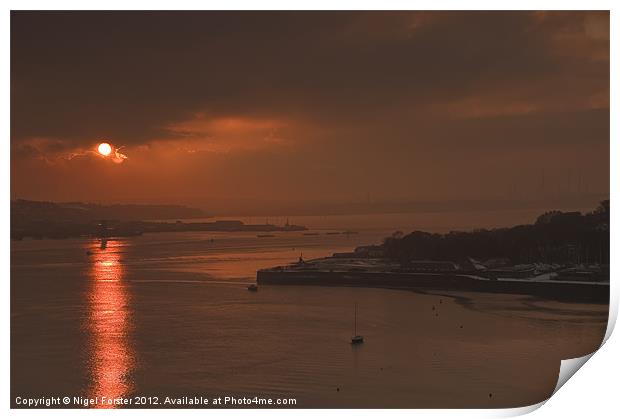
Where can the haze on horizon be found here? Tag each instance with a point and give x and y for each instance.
(291, 111)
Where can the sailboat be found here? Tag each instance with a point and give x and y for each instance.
(356, 339)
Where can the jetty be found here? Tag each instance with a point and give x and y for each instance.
(548, 282)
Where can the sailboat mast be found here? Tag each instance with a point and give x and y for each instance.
(355, 322)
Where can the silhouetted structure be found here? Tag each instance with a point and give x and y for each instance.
(555, 237)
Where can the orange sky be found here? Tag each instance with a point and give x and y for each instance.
(267, 112)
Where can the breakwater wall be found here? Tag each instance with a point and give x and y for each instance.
(595, 292)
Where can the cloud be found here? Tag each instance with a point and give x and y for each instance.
(54, 151)
(118, 157)
(313, 65)
(328, 98)
(222, 134)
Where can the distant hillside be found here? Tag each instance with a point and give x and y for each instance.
(23, 211)
(555, 237)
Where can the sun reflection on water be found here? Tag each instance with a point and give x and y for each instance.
(111, 355)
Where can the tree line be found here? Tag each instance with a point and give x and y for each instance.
(555, 237)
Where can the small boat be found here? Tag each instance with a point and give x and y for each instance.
(356, 339)
(330, 233)
(311, 234)
(252, 287)
(265, 235)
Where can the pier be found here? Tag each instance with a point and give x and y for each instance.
(324, 272)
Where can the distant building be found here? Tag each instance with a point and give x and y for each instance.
(517, 271)
(372, 251)
(362, 252)
(431, 266)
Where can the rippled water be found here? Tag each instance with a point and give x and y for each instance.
(169, 315)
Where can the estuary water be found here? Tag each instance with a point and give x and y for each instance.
(169, 315)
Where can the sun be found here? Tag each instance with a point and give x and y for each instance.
(104, 149)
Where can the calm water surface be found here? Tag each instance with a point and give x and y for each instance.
(169, 315)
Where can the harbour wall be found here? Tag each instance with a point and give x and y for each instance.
(594, 292)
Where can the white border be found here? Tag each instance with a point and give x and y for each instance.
(592, 394)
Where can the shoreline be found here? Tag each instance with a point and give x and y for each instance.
(568, 291)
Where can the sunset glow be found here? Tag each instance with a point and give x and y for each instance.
(291, 141)
(104, 149)
(108, 325)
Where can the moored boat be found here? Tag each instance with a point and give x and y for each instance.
(356, 339)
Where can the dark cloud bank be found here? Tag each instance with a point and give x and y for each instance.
(268, 110)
